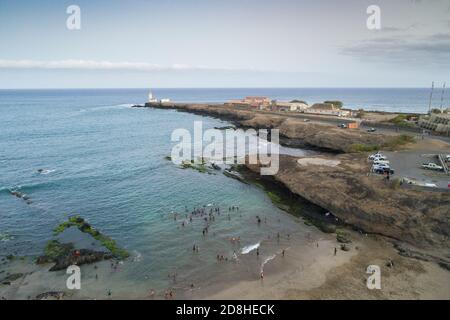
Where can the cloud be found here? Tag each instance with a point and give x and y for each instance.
(399, 29)
(432, 50)
(107, 65)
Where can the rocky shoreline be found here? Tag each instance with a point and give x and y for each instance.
(293, 132)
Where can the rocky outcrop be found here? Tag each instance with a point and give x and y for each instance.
(79, 257)
(11, 278)
(21, 195)
(369, 203)
(319, 135)
(51, 295)
(64, 255)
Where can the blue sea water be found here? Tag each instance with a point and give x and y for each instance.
(105, 161)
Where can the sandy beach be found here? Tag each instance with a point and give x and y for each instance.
(325, 276)
(304, 272)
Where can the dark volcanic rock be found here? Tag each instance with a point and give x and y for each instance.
(11, 278)
(58, 295)
(64, 255)
(79, 257)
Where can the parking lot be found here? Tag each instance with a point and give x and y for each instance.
(408, 164)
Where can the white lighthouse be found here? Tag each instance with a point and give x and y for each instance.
(151, 98)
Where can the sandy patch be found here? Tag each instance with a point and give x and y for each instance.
(318, 162)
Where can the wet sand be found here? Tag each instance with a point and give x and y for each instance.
(310, 271)
(344, 276)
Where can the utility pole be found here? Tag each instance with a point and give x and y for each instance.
(442, 96)
(431, 97)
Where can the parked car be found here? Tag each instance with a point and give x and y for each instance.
(379, 161)
(383, 170)
(380, 166)
(306, 120)
(342, 126)
(371, 130)
(376, 155)
(432, 166)
(447, 158)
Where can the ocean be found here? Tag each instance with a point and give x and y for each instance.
(106, 161)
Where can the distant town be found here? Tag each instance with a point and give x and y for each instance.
(332, 108)
(437, 121)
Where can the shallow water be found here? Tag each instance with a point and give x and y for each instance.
(105, 161)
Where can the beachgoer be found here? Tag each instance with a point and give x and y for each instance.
(335, 250)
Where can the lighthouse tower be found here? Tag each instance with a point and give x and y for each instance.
(151, 98)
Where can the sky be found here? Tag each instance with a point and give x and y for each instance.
(224, 43)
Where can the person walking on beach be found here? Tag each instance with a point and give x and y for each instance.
(257, 252)
(335, 251)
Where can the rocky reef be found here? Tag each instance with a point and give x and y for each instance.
(64, 255)
(84, 226)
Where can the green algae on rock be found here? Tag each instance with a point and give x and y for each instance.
(83, 226)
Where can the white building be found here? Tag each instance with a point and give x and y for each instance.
(151, 98)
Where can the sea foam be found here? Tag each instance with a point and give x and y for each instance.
(250, 248)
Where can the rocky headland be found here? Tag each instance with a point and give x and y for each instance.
(293, 131)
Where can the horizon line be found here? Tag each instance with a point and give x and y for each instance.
(190, 88)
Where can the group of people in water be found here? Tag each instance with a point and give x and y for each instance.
(208, 214)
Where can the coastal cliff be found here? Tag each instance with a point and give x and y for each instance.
(341, 185)
(297, 131)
